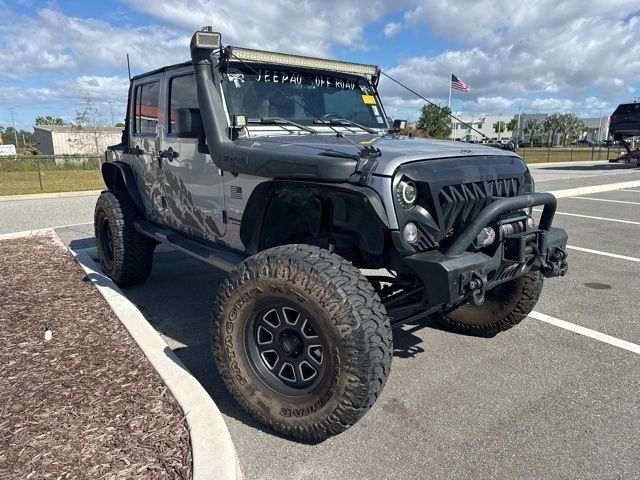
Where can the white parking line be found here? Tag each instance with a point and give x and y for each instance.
(629, 190)
(574, 192)
(587, 332)
(605, 200)
(606, 254)
(592, 217)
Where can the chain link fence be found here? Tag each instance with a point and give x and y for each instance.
(569, 154)
(24, 174)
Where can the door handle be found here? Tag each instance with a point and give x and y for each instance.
(137, 151)
(169, 154)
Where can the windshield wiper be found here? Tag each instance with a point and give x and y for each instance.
(346, 122)
(283, 121)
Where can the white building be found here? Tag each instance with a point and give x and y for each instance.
(72, 140)
(597, 128)
(481, 123)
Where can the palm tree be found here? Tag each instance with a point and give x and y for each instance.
(533, 127)
(569, 125)
(552, 125)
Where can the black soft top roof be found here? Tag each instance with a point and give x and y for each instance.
(163, 69)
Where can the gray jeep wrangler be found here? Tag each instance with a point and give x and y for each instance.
(284, 171)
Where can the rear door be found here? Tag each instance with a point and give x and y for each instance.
(193, 185)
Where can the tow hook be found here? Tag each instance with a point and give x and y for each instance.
(556, 264)
(475, 285)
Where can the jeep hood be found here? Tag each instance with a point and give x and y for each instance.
(396, 151)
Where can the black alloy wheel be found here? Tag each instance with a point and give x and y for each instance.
(286, 348)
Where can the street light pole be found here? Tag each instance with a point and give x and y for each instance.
(518, 132)
(600, 126)
(13, 122)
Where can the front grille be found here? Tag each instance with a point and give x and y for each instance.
(424, 241)
(460, 204)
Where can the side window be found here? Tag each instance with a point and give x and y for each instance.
(182, 94)
(146, 108)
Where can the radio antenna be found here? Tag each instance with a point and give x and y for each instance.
(128, 66)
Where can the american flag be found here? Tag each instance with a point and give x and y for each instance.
(458, 84)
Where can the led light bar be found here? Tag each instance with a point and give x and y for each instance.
(250, 55)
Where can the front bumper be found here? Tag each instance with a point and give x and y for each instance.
(457, 276)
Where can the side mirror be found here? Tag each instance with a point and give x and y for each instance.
(189, 123)
(399, 125)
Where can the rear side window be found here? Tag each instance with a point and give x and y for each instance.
(182, 94)
(146, 108)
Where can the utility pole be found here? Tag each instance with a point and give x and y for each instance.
(13, 122)
(110, 102)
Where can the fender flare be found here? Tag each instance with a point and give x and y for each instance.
(259, 202)
(117, 175)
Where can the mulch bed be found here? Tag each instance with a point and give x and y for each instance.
(85, 404)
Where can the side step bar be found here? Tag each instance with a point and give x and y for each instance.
(216, 257)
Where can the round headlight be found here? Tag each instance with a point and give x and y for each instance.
(407, 192)
(410, 232)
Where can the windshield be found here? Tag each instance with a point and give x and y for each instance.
(301, 96)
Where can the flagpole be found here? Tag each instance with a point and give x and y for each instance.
(449, 105)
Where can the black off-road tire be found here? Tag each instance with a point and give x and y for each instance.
(504, 307)
(125, 254)
(349, 317)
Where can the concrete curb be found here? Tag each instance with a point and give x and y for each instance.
(31, 233)
(39, 196)
(575, 192)
(212, 449)
(565, 164)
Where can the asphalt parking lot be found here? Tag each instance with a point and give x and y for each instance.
(534, 402)
(538, 401)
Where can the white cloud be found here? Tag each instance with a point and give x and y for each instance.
(490, 105)
(398, 107)
(52, 43)
(571, 49)
(581, 54)
(108, 93)
(295, 26)
(560, 105)
(392, 28)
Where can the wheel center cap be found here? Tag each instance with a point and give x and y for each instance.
(290, 344)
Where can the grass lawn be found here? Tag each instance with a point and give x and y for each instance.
(18, 183)
(25, 180)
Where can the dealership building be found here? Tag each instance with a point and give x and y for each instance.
(597, 128)
(73, 140)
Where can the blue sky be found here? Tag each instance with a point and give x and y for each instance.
(545, 56)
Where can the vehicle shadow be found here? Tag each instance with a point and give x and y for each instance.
(177, 300)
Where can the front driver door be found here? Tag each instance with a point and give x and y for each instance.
(194, 189)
